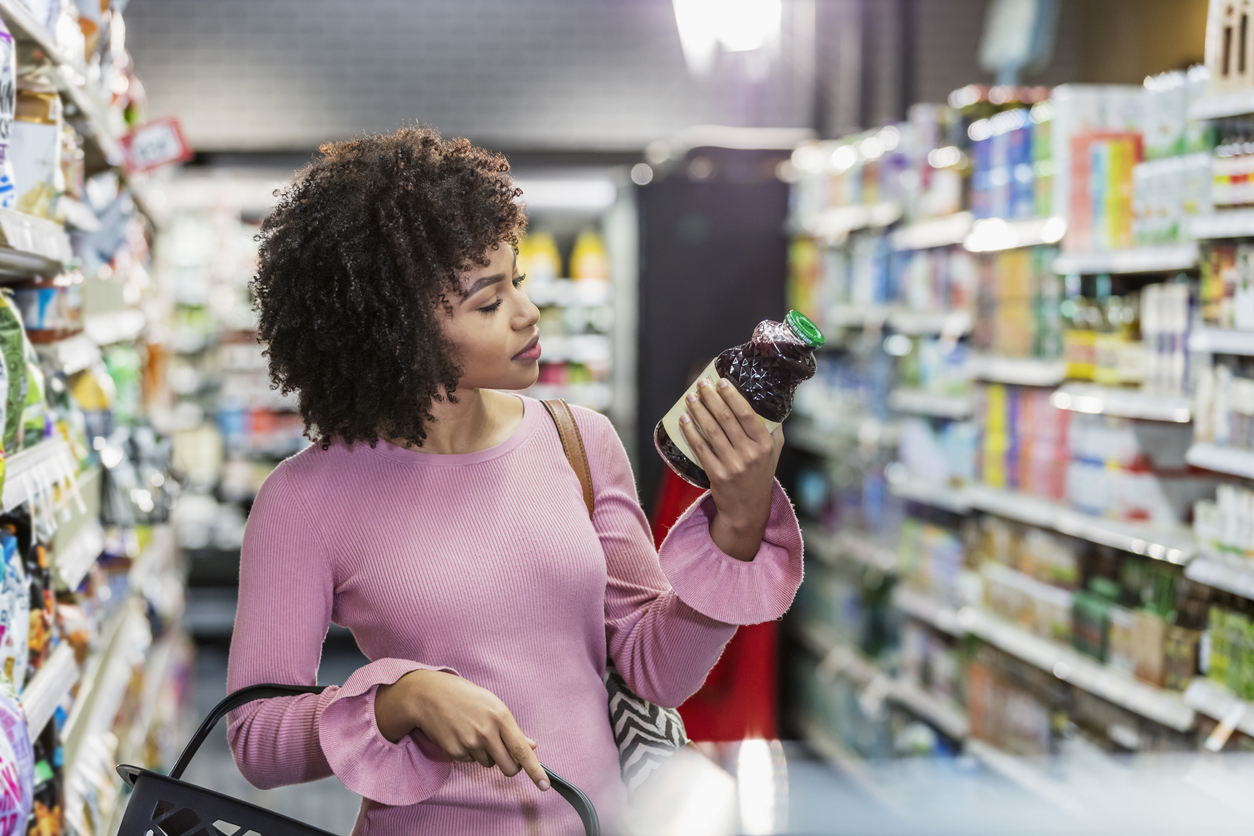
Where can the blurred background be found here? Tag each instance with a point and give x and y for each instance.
(1023, 467)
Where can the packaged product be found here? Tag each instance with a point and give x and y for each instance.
(35, 147)
(588, 260)
(538, 257)
(52, 307)
(766, 370)
(17, 762)
(15, 613)
(13, 351)
(42, 605)
(8, 104)
(36, 418)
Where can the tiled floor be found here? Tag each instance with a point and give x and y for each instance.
(326, 804)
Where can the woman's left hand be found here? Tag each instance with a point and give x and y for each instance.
(739, 456)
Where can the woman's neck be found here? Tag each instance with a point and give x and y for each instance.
(481, 418)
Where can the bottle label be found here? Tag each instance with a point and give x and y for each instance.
(671, 420)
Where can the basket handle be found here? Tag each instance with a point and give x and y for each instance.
(573, 795)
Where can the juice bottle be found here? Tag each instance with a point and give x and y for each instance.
(766, 370)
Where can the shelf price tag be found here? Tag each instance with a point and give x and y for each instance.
(158, 143)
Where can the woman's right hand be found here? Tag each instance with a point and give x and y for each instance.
(467, 722)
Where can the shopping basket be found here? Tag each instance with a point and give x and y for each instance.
(162, 805)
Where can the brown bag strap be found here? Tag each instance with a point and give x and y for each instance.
(572, 445)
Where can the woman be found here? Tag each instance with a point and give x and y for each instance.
(439, 520)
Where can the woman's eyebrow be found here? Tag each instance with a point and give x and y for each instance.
(482, 283)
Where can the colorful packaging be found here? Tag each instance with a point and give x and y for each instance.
(8, 105)
(52, 308)
(588, 259)
(35, 147)
(17, 765)
(14, 614)
(13, 350)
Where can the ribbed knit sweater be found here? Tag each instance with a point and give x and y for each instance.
(487, 566)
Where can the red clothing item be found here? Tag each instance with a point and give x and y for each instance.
(739, 698)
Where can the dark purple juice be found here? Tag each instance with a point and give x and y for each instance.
(767, 370)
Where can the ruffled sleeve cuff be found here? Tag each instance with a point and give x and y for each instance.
(398, 774)
(721, 587)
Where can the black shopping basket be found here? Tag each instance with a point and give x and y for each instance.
(163, 805)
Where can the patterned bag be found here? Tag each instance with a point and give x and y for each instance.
(646, 734)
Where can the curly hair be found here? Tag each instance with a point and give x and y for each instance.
(356, 257)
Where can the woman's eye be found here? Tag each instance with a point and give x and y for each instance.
(518, 281)
(493, 308)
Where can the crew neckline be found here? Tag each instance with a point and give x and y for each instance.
(520, 434)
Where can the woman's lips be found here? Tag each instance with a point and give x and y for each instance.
(529, 354)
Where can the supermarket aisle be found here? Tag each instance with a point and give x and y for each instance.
(326, 804)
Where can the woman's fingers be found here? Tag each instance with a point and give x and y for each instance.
(520, 748)
(715, 400)
(749, 421)
(705, 456)
(707, 423)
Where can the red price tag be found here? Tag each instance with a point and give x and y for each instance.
(160, 142)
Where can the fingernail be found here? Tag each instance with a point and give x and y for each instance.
(702, 383)
(544, 785)
(692, 397)
(684, 419)
(722, 383)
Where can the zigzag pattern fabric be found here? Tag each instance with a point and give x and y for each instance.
(646, 734)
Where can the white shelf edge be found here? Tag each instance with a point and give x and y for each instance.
(1176, 547)
(1020, 371)
(833, 225)
(70, 355)
(1123, 403)
(1234, 223)
(922, 402)
(1215, 701)
(1072, 667)
(946, 231)
(923, 607)
(1158, 258)
(833, 548)
(74, 561)
(50, 683)
(941, 712)
(1222, 341)
(1231, 460)
(952, 324)
(1229, 573)
(945, 497)
(989, 235)
(34, 470)
(823, 440)
(1222, 105)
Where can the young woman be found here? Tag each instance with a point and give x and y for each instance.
(438, 519)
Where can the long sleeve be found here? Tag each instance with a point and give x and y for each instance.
(669, 614)
(287, 584)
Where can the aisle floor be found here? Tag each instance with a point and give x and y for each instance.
(327, 804)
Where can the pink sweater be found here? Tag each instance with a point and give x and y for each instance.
(484, 565)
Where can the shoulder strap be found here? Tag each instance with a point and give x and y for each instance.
(572, 445)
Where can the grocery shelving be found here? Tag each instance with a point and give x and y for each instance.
(913, 489)
(933, 232)
(1236, 223)
(48, 686)
(848, 545)
(931, 404)
(1222, 341)
(1222, 459)
(1123, 403)
(835, 224)
(1021, 371)
(928, 610)
(1217, 702)
(1172, 545)
(1222, 105)
(1160, 258)
(1228, 572)
(35, 470)
(951, 324)
(73, 562)
(72, 354)
(31, 246)
(832, 439)
(564, 292)
(116, 327)
(996, 234)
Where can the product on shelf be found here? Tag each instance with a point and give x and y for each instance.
(766, 370)
(35, 146)
(589, 260)
(8, 102)
(52, 307)
(1018, 304)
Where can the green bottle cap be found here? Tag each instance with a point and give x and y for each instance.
(805, 329)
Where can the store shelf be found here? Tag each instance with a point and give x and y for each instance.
(932, 404)
(854, 546)
(577, 348)
(31, 246)
(117, 327)
(566, 292)
(1217, 702)
(1236, 223)
(1123, 403)
(942, 713)
(1222, 341)
(996, 234)
(952, 324)
(834, 439)
(71, 355)
(1024, 774)
(833, 225)
(48, 686)
(1021, 371)
(1228, 572)
(1221, 459)
(934, 232)
(1071, 666)
(35, 470)
(923, 607)
(1172, 545)
(24, 27)
(1236, 103)
(1160, 258)
(912, 489)
(73, 562)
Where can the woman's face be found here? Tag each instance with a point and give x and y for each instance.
(493, 326)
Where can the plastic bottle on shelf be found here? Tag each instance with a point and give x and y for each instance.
(767, 370)
(588, 260)
(538, 258)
